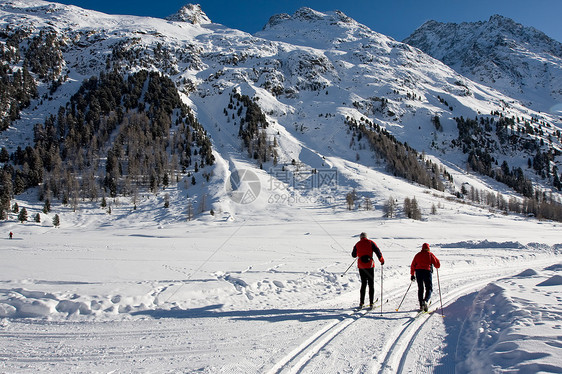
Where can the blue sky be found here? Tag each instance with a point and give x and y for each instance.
(395, 18)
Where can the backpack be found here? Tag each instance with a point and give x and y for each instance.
(366, 259)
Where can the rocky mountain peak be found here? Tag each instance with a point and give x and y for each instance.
(191, 13)
(309, 16)
(313, 28)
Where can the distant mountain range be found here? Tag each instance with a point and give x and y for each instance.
(519, 61)
(312, 91)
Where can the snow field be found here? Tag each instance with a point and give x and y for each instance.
(265, 294)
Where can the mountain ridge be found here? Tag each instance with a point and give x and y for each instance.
(520, 61)
(276, 105)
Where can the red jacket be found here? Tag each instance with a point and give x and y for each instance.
(423, 260)
(365, 249)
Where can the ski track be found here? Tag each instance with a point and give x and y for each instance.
(400, 335)
(304, 353)
(340, 343)
(140, 350)
(397, 351)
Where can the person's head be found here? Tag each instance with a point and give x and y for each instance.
(363, 235)
(425, 247)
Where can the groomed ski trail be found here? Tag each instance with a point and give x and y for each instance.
(399, 335)
(401, 340)
(396, 350)
(298, 358)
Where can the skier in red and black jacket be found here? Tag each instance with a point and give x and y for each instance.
(364, 250)
(421, 269)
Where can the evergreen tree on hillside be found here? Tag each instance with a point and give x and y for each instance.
(22, 216)
(253, 123)
(401, 160)
(17, 86)
(56, 220)
(119, 124)
(6, 190)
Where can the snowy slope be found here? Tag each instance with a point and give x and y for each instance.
(309, 72)
(520, 61)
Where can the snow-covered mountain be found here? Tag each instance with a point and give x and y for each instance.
(520, 61)
(191, 13)
(310, 92)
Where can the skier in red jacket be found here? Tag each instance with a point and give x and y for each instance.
(364, 250)
(421, 269)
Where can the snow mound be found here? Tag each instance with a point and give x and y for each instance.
(512, 327)
(552, 281)
(556, 267)
(479, 244)
(527, 273)
(21, 303)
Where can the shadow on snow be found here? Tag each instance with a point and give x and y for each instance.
(455, 315)
(268, 315)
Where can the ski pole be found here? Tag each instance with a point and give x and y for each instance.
(439, 286)
(382, 299)
(355, 259)
(404, 295)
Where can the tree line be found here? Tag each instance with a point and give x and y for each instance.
(401, 160)
(17, 85)
(481, 137)
(252, 124)
(116, 135)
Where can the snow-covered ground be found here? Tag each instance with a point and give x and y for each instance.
(263, 293)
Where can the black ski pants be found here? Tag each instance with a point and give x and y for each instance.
(424, 280)
(367, 278)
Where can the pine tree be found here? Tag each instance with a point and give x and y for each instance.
(56, 220)
(415, 210)
(408, 207)
(47, 206)
(350, 198)
(22, 216)
(4, 155)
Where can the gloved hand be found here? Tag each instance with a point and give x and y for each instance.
(413, 278)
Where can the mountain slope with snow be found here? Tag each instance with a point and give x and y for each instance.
(522, 62)
(316, 77)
